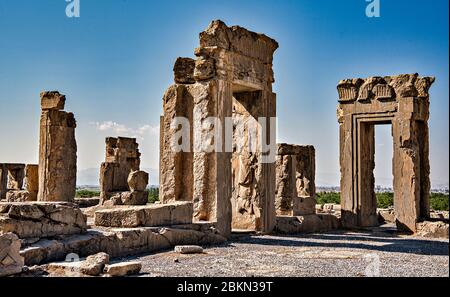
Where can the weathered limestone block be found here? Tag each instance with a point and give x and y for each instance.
(138, 181)
(57, 156)
(176, 168)
(11, 262)
(87, 202)
(437, 229)
(184, 71)
(32, 178)
(120, 242)
(130, 198)
(91, 266)
(188, 249)
(20, 196)
(146, 216)
(123, 269)
(295, 180)
(52, 101)
(204, 69)
(122, 158)
(307, 223)
(41, 219)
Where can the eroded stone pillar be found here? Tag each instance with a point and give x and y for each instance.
(295, 180)
(122, 156)
(57, 150)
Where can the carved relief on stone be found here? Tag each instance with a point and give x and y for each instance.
(348, 89)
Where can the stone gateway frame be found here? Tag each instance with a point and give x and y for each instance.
(403, 102)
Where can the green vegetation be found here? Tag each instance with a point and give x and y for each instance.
(86, 194)
(328, 197)
(385, 199)
(438, 201)
(153, 195)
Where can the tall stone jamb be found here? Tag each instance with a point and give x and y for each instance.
(57, 150)
(231, 78)
(403, 102)
(295, 180)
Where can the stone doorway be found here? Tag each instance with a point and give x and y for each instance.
(402, 101)
(246, 166)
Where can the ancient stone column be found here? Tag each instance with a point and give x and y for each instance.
(295, 180)
(57, 150)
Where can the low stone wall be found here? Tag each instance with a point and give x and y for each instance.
(151, 215)
(307, 223)
(120, 242)
(41, 219)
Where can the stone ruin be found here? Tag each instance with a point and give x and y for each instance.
(231, 77)
(403, 102)
(57, 150)
(121, 181)
(295, 193)
(207, 194)
(19, 182)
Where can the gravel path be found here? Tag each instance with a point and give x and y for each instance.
(327, 254)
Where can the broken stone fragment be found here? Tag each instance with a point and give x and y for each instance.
(10, 260)
(52, 100)
(123, 269)
(20, 196)
(138, 181)
(204, 69)
(94, 265)
(184, 71)
(188, 249)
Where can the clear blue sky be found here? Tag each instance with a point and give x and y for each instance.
(115, 61)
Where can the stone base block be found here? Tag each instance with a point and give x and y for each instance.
(20, 196)
(130, 198)
(303, 206)
(41, 219)
(11, 262)
(146, 216)
(120, 242)
(386, 215)
(433, 229)
(87, 202)
(307, 224)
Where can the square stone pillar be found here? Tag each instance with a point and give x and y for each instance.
(57, 150)
(295, 180)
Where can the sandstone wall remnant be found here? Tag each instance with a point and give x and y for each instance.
(57, 150)
(120, 178)
(19, 182)
(403, 102)
(295, 180)
(231, 77)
